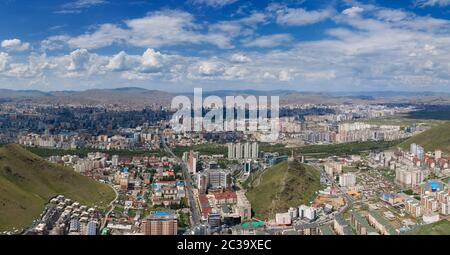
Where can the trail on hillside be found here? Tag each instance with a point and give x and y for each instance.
(281, 189)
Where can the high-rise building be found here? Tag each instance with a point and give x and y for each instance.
(417, 150)
(410, 177)
(202, 182)
(307, 212)
(219, 179)
(192, 162)
(115, 160)
(91, 228)
(243, 151)
(347, 180)
(160, 223)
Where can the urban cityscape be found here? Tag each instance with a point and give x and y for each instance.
(344, 130)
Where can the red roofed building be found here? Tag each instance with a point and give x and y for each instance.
(206, 211)
(227, 197)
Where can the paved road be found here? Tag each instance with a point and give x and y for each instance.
(348, 201)
(348, 198)
(105, 220)
(195, 213)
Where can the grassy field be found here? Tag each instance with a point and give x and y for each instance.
(46, 152)
(27, 182)
(402, 121)
(284, 185)
(437, 137)
(439, 228)
(203, 149)
(332, 149)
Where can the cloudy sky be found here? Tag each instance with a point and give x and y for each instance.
(307, 45)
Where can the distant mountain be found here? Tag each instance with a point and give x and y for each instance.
(28, 182)
(140, 97)
(223, 93)
(133, 97)
(13, 94)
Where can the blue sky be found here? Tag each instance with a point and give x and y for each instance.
(307, 45)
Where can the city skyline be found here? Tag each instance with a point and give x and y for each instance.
(175, 46)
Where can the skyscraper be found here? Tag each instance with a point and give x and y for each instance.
(243, 151)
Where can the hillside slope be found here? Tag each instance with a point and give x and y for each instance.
(437, 137)
(27, 182)
(438, 228)
(287, 184)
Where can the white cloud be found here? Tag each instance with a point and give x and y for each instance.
(240, 58)
(160, 28)
(79, 5)
(4, 57)
(384, 48)
(79, 60)
(239, 27)
(152, 60)
(15, 45)
(301, 17)
(214, 3)
(392, 15)
(284, 75)
(210, 68)
(32, 68)
(105, 35)
(353, 11)
(426, 3)
(121, 62)
(269, 41)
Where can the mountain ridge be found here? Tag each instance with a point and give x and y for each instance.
(28, 182)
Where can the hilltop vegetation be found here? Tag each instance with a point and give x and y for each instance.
(27, 182)
(438, 228)
(47, 152)
(284, 185)
(437, 137)
(204, 149)
(331, 149)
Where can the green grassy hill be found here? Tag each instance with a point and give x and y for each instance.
(27, 182)
(437, 137)
(284, 185)
(438, 228)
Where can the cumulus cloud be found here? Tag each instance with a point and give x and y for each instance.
(3, 61)
(269, 41)
(210, 68)
(284, 75)
(79, 60)
(160, 28)
(300, 16)
(152, 61)
(121, 62)
(240, 58)
(15, 45)
(214, 3)
(384, 48)
(353, 11)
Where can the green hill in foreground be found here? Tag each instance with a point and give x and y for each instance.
(437, 137)
(287, 184)
(438, 228)
(28, 182)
